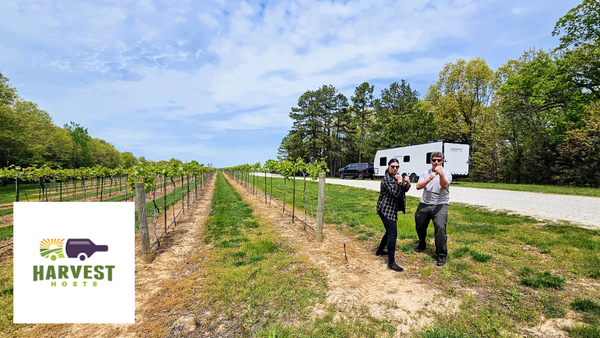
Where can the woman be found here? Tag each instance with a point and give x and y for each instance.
(391, 199)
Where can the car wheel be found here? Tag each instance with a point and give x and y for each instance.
(342, 175)
(361, 176)
(414, 178)
(82, 257)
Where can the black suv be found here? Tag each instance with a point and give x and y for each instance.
(360, 170)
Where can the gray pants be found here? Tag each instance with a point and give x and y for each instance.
(439, 214)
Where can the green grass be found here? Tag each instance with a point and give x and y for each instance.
(6, 232)
(590, 315)
(6, 299)
(547, 189)
(543, 280)
(586, 305)
(6, 211)
(256, 286)
(8, 192)
(486, 249)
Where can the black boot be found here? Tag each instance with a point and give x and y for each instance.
(395, 267)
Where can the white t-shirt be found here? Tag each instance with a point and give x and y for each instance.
(433, 192)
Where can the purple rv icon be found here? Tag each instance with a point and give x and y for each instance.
(82, 248)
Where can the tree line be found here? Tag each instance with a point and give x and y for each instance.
(535, 119)
(29, 137)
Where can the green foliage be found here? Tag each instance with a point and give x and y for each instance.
(480, 256)
(580, 26)
(363, 104)
(543, 280)
(586, 305)
(401, 118)
(584, 331)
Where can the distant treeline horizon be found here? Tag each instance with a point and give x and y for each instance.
(29, 137)
(534, 120)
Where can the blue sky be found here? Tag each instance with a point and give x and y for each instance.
(214, 81)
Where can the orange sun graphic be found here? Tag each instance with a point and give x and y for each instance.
(51, 243)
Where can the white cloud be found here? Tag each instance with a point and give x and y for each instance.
(246, 9)
(146, 6)
(251, 121)
(208, 20)
(180, 20)
(518, 10)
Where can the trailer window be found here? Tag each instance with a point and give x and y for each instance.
(407, 158)
(383, 161)
(428, 160)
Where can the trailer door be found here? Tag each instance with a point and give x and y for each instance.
(457, 158)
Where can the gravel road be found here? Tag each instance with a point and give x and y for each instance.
(584, 211)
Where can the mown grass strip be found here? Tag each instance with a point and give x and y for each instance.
(487, 250)
(7, 211)
(6, 232)
(256, 286)
(6, 299)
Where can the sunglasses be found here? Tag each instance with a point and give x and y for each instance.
(395, 166)
(437, 160)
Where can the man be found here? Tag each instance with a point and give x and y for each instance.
(434, 206)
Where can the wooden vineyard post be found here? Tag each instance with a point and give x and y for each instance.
(17, 188)
(294, 198)
(320, 207)
(140, 203)
(165, 199)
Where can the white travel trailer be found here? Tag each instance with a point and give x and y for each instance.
(417, 158)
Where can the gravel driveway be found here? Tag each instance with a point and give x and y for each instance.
(580, 210)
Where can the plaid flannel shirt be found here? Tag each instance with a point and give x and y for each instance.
(391, 197)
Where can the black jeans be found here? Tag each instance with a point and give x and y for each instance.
(438, 213)
(389, 239)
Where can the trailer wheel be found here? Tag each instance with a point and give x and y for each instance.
(413, 178)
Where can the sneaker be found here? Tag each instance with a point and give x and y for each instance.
(381, 253)
(395, 267)
(441, 260)
(419, 249)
